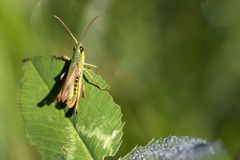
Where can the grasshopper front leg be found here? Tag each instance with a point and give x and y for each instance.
(64, 58)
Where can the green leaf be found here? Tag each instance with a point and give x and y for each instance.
(179, 148)
(94, 133)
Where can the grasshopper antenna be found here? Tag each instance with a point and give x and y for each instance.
(85, 31)
(66, 28)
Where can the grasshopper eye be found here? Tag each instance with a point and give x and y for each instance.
(81, 49)
(74, 49)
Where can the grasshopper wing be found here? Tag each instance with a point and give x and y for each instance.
(67, 90)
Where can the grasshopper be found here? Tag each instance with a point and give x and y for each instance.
(72, 88)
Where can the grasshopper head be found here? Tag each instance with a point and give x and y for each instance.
(79, 48)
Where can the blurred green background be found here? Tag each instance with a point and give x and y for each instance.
(174, 66)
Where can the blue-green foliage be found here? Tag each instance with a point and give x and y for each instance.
(179, 148)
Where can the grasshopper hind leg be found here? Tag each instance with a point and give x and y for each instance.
(92, 81)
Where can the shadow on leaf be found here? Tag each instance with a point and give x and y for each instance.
(52, 95)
